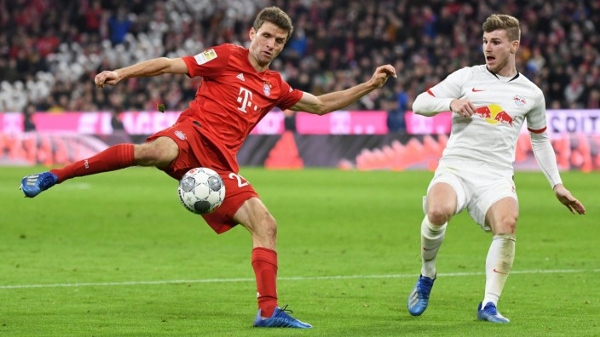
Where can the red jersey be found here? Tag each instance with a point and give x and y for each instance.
(233, 96)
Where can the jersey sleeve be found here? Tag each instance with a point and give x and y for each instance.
(451, 87)
(438, 98)
(208, 63)
(536, 117)
(289, 96)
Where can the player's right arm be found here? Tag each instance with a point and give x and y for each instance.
(153, 67)
(445, 96)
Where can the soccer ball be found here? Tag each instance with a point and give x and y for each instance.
(201, 190)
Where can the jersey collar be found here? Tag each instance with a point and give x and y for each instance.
(491, 72)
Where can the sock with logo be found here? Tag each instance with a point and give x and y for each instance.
(497, 266)
(264, 262)
(114, 158)
(431, 240)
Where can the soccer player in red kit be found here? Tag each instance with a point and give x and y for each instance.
(237, 91)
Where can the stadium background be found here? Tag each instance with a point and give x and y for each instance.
(51, 50)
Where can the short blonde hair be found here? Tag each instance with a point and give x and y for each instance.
(503, 21)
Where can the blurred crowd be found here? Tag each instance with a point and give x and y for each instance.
(50, 50)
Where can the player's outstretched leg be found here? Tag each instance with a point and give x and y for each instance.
(34, 184)
(114, 158)
(279, 319)
(490, 313)
(419, 296)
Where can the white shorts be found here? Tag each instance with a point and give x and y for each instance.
(477, 187)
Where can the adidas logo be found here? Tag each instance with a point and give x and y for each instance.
(241, 77)
(32, 179)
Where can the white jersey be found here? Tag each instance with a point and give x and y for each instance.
(491, 134)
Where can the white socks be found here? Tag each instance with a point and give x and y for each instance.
(431, 240)
(497, 266)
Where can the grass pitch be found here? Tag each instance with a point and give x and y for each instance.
(116, 255)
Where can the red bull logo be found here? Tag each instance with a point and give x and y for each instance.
(519, 100)
(483, 112)
(494, 114)
(503, 117)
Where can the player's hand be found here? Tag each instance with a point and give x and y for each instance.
(566, 198)
(381, 75)
(106, 77)
(463, 107)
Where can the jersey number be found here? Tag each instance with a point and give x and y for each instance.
(239, 179)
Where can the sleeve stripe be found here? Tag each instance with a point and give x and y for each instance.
(537, 131)
(429, 92)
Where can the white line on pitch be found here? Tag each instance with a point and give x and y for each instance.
(291, 278)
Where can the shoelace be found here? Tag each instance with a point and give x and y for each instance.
(286, 310)
(491, 309)
(426, 286)
(46, 180)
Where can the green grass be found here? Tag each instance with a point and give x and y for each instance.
(128, 226)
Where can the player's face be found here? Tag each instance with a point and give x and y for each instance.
(498, 50)
(266, 43)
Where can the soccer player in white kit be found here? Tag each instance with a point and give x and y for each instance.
(489, 103)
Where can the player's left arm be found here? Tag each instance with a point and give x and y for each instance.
(546, 157)
(323, 104)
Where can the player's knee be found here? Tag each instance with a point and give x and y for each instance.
(265, 227)
(438, 215)
(160, 153)
(507, 225)
(269, 227)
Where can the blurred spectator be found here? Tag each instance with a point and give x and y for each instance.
(289, 121)
(594, 100)
(93, 17)
(119, 26)
(398, 107)
(28, 124)
(8, 70)
(116, 122)
(574, 91)
(118, 129)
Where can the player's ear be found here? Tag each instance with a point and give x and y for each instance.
(514, 46)
(252, 33)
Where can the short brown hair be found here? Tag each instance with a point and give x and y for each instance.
(503, 21)
(275, 16)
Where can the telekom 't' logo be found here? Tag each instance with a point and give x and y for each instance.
(245, 97)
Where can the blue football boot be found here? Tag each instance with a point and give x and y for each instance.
(419, 296)
(490, 313)
(280, 319)
(34, 184)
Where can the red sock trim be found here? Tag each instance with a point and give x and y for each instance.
(264, 263)
(264, 254)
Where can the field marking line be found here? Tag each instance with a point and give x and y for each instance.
(289, 278)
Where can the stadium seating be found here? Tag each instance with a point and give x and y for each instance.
(51, 49)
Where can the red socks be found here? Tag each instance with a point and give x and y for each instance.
(114, 158)
(264, 262)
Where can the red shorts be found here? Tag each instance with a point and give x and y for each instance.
(197, 151)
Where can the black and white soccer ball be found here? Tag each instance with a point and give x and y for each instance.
(201, 190)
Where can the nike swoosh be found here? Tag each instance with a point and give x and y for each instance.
(499, 272)
(428, 249)
(475, 90)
